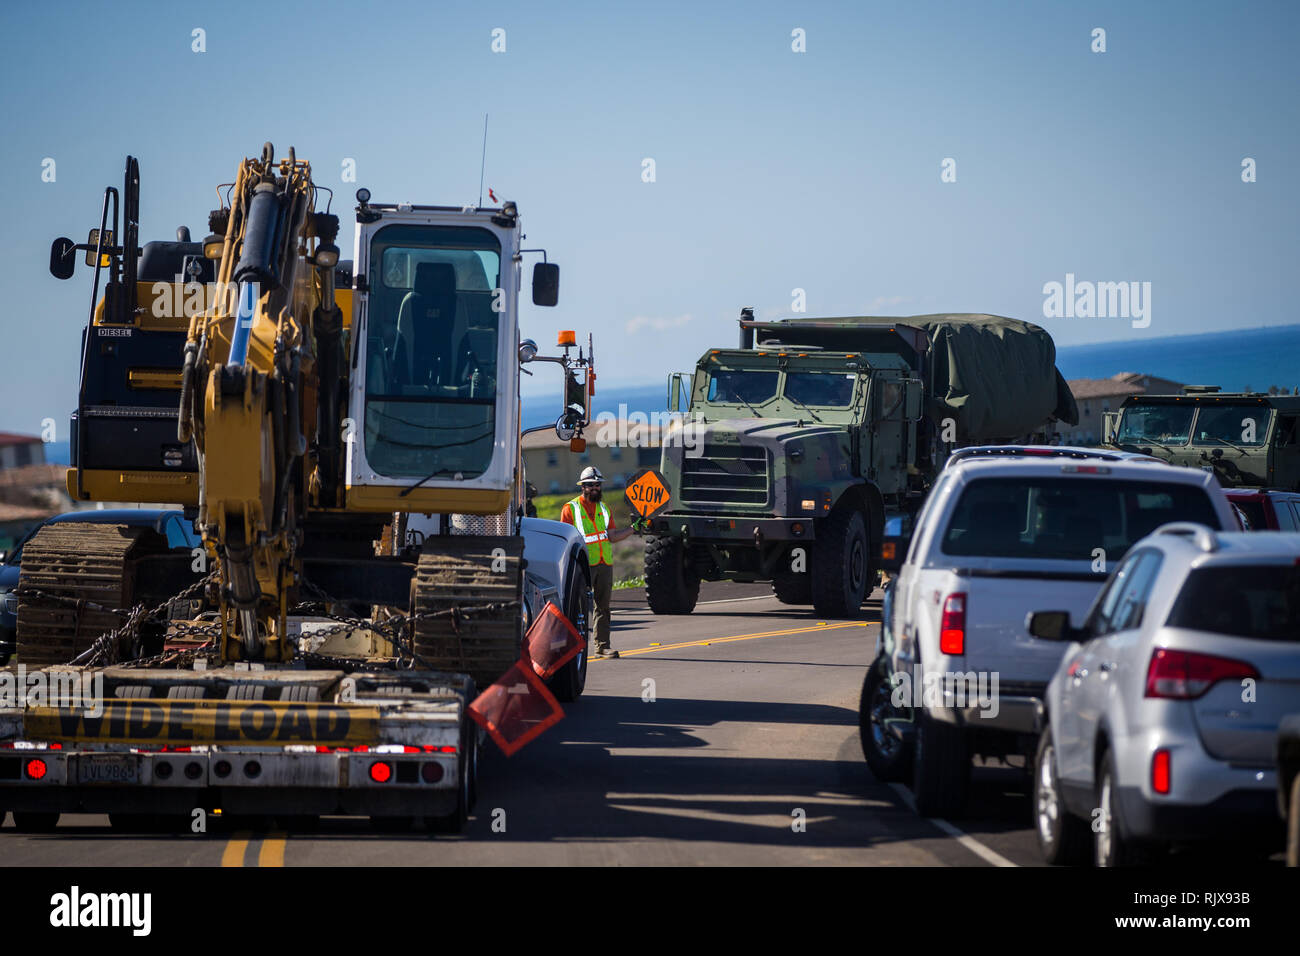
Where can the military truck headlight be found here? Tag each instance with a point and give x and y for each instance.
(808, 504)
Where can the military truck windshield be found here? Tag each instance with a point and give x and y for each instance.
(431, 351)
(828, 389)
(1166, 424)
(1067, 518)
(1231, 424)
(742, 386)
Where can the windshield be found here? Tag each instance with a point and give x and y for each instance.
(1166, 424)
(1253, 601)
(742, 386)
(1067, 518)
(431, 347)
(1231, 424)
(828, 389)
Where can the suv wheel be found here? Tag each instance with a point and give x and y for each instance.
(1062, 837)
(888, 756)
(1112, 846)
(570, 682)
(940, 768)
(841, 564)
(670, 586)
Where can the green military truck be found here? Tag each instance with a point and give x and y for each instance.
(1247, 439)
(798, 445)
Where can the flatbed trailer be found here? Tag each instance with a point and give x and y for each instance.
(396, 746)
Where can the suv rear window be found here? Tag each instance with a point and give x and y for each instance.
(1259, 601)
(1067, 518)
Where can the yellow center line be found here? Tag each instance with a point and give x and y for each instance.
(234, 853)
(272, 853)
(739, 637)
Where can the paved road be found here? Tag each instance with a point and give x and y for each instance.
(704, 744)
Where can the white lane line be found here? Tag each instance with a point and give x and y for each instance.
(758, 597)
(965, 839)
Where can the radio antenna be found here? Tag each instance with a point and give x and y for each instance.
(483, 165)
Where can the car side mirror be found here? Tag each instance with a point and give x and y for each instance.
(546, 283)
(1050, 625)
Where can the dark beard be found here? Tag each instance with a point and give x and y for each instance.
(593, 497)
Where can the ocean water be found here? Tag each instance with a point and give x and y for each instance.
(1235, 361)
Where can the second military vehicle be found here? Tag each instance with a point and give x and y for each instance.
(1248, 439)
(798, 445)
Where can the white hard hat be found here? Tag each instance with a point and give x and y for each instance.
(590, 473)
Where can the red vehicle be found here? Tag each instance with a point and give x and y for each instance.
(1267, 510)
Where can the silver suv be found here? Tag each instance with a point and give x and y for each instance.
(1164, 712)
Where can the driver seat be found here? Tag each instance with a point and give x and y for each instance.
(426, 325)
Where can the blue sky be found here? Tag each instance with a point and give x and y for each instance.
(775, 170)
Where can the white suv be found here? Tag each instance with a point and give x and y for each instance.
(1164, 712)
(1000, 536)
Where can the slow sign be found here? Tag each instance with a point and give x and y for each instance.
(647, 493)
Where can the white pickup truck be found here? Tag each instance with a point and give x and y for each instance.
(1001, 533)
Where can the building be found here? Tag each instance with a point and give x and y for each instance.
(19, 450)
(618, 448)
(1096, 396)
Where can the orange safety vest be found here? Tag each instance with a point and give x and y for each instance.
(599, 548)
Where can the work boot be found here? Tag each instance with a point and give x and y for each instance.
(607, 653)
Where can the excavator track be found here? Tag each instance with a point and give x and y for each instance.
(87, 563)
(463, 571)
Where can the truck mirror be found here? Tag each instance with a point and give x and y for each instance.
(913, 400)
(62, 260)
(546, 283)
(675, 391)
(1050, 625)
(1110, 427)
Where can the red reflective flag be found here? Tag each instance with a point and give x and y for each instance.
(516, 708)
(551, 642)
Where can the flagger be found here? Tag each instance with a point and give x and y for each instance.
(591, 517)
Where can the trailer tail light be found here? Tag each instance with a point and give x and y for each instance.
(381, 772)
(1160, 771)
(36, 769)
(952, 626)
(1184, 675)
(431, 772)
(431, 749)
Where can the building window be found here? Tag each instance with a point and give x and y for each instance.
(552, 459)
(615, 453)
(555, 485)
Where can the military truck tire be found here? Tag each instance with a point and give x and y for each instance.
(841, 562)
(670, 586)
(792, 587)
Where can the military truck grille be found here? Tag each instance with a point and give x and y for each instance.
(725, 475)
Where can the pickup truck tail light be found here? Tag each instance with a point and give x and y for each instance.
(952, 626)
(1184, 675)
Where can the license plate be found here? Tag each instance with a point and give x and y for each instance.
(108, 768)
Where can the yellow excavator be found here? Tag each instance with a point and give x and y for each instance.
(298, 408)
